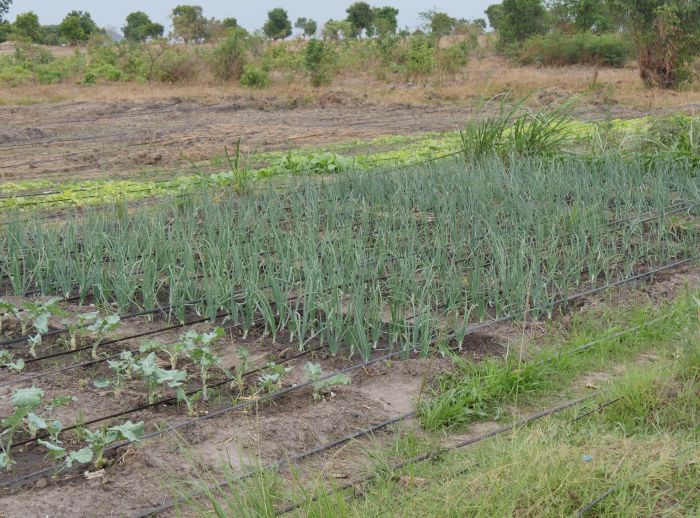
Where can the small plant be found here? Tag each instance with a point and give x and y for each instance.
(241, 368)
(122, 368)
(77, 326)
(254, 77)
(8, 361)
(6, 309)
(314, 372)
(205, 360)
(188, 400)
(241, 176)
(272, 380)
(147, 368)
(103, 437)
(26, 417)
(101, 327)
(173, 350)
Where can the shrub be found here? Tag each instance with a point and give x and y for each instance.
(178, 66)
(228, 58)
(421, 58)
(107, 72)
(569, 49)
(318, 61)
(254, 77)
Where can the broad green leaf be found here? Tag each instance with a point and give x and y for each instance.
(29, 397)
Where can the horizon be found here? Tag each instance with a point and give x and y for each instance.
(114, 15)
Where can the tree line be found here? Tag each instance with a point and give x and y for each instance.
(665, 33)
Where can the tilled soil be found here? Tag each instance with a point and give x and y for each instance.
(138, 139)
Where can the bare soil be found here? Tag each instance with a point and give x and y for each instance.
(158, 138)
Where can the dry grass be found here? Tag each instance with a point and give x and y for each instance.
(479, 80)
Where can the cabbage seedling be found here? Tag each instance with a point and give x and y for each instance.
(273, 379)
(188, 400)
(154, 376)
(76, 327)
(6, 309)
(122, 369)
(8, 361)
(101, 327)
(173, 350)
(205, 360)
(314, 372)
(241, 368)
(103, 437)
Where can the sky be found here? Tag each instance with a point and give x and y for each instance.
(250, 15)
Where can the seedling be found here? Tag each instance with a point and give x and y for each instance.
(241, 368)
(25, 417)
(5, 309)
(122, 369)
(272, 380)
(188, 400)
(314, 372)
(173, 350)
(205, 360)
(8, 361)
(101, 327)
(154, 376)
(76, 327)
(103, 437)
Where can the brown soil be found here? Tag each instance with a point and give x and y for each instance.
(158, 138)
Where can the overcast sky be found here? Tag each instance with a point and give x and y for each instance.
(250, 15)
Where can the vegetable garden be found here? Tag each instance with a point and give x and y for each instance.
(363, 267)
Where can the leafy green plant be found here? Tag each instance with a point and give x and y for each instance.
(98, 440)
(8, 361)
(122, 368)
(101, 327)
(27, 416)
(76, 327)
(314, 372)
(254, 77)
(241, 368)
(154, 376)
(272, 379)
(6, 309)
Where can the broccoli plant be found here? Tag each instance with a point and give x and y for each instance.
(173, 350)
(103, 437)
(188, 400)
(154, 376)
(122, 368)
(8, 361)
(205, 360)
(27, 417)
(314, 372)
(76, 327)
(101, 327)
(37, 315)
(58, 452)
(271, 380)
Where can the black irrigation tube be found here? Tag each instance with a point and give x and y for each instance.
(442, 451)
(277, 465)
(274, 395)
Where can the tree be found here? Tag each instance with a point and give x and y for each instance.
(307, 26)
(666, 35)
(277, 26)
(517, 20)
(139, 27)
(77, 26)
(479, 23)
(189, 23)
(4, 8)
(360, 17)
(229, 23)
(439, 23)
(385, 20)
(581, 15)
(27, 25)
(335, 29)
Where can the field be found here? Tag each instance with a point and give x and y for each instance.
(358, 300)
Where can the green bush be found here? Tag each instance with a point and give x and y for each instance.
(569, 49)
(178, 65)
(229, 57)
(254, 77)
(14, 75)
(107, 72)
(421, 58)
(318, 61)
